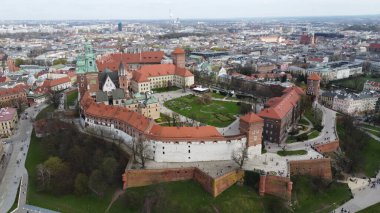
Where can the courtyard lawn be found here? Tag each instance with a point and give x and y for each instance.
(217, 95)
(303, 121)
(216, 113)
(45, 113)
(372, 209)
(292, 152)
(165, 89)
(71, 98)
(354, 83)
(313, 196)
(189, 196)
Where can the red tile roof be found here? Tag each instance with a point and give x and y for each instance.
(11, 91)
(251, 118)
(279, 107)
(178, 50)
(54, 82)
(155, 70)
(146, 125)
(112, 61)
(374, 46)
(314, 77)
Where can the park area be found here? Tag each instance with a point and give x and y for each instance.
(214, 113)
(355, 83)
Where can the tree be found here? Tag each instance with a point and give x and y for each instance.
(58, 175)
(19, 61)
(43, 177)
(81, 184)
(60, 61)
(55, 98)
(240, 155)
(108, 168)
(141, 150)
(96, 183)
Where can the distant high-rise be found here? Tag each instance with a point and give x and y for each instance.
(120, 27)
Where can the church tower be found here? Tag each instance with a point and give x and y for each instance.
(123, 78)
(178, 56)
(87, 71)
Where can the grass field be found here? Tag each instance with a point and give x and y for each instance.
(189, 196)
(372, 209)
(371, 157)
(216, 113)
(314, 197)
(292, 152)
(165, 89)
(376, 128)
(355, 83)
(45, 112)
(313, 134)
(71, 98)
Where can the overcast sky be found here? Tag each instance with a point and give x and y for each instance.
(183, 9)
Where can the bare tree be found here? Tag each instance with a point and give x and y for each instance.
(141, 150)
(240, 155)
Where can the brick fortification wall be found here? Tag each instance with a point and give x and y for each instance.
(326, 148)
(316, 168)
(136, 178)
(276, 185)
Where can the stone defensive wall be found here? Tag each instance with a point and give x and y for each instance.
(316, 168)
(329, 147)
(214, 186)
(276, 186)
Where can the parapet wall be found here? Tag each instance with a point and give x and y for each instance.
(316, 168)
(276, 185)
(214, 186)
(329, 147)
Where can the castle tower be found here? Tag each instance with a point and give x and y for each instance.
(178, 56)
(87, 72)
(123, 78)
(313, 86)
(252, 125)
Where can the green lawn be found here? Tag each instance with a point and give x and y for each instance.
(291, 139)
(216, 113)
(45, 112)
(165, 89)
(71, 98)
(292, 152)
(313, 134)
(376, 128)
(189, 196)
(371, 157)
(217, 95)
(376, 133)
(355, 83)
(303, 121)
(372, 209)
(311, 196)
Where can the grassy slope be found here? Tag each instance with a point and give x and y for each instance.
(312, 200)
(45, 112)
(372, 209)
(67, 203)
(371, 159)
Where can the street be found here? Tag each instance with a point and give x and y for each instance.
(15, 168)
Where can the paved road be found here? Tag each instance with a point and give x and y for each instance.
(328, 133)
(15, 169)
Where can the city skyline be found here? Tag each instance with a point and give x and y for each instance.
(196, 9)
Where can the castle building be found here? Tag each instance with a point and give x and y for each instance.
(87, 71)
(313, 86)
(280, 113)
(174, 144)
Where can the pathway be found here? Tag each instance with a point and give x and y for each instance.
(364, 196)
